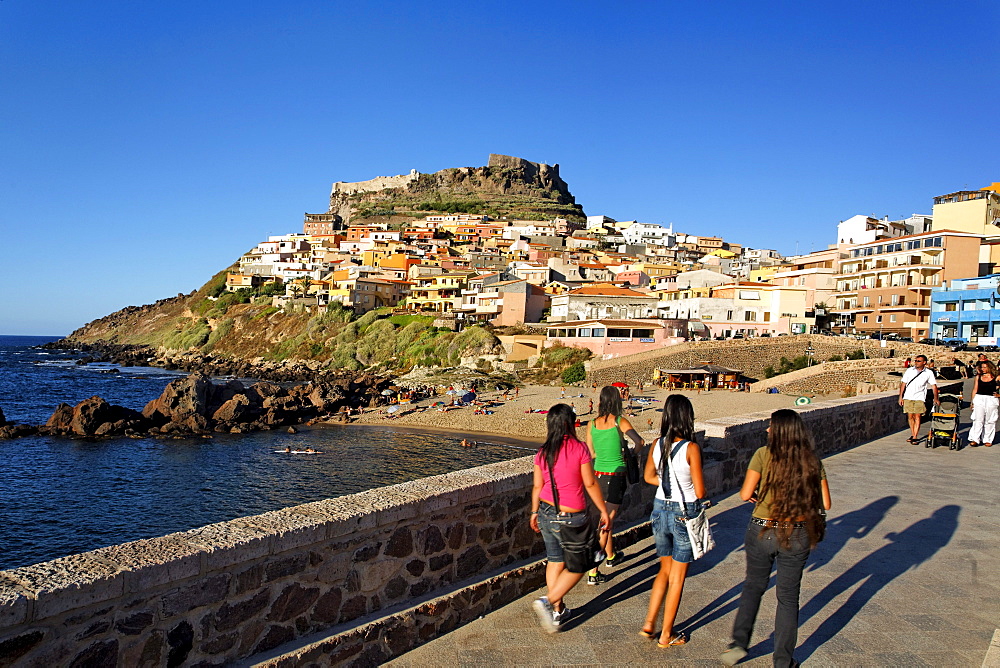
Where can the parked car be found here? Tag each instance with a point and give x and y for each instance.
(932, 342)
(738, 336)
(955, 345)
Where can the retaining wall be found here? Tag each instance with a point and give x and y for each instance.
(227, 591)
(750, 356)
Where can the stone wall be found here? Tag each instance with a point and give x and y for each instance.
(227, 591)
(834, 377)
(750, 356)
(233, 589)
(378, 183)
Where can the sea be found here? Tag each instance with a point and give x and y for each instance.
(61, 496)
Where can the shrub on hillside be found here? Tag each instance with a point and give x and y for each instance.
(574, 373)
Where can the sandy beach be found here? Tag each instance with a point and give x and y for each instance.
(512, 418)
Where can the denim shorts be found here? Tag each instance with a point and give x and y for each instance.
(669, 531)
(549, 522)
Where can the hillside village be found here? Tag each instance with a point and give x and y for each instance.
(622, 287)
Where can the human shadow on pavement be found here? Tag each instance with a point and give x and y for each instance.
(855, 524)
(907, 550)
(727, 529)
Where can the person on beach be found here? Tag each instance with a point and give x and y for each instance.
(787, 483)
(566, 459)
(984, 405)
(674, 466)
(913, 392)
(604, 438)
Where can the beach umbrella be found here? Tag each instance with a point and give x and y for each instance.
(392, 409)
(387, 393)
(619, 384)
(471, 396)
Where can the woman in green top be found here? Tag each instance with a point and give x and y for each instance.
(787, 483)
(604, 438)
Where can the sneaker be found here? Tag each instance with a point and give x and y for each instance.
(615, 560)
(545, 614)
(733, 655)
(596, 579)
(558, 618)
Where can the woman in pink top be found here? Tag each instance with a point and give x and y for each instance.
(570, 459)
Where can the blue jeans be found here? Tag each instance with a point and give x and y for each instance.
(669, 532)
(762, 552)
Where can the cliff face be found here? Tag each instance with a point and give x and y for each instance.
(506, 187)
(225, 336)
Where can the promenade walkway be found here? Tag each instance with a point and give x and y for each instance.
(908, 575)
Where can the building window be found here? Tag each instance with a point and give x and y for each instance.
(951, 307)
(866, 301)
(878, 318)
(892, 318)
(729, 315)
(864, 319)
(749, 316)
(598, 331)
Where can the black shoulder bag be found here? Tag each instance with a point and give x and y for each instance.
(632, 473)
(577, 534)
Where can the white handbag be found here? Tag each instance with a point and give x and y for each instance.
(698, 530)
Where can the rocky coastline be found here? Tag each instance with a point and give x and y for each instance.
(278, 371)
(198, 406)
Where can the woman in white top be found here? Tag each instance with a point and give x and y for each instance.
(674, 466)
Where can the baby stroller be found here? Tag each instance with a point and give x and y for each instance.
(944, 423)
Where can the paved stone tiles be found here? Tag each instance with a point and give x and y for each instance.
(909, 575)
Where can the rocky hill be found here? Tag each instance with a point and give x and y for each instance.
(216, 331)
(506, 187)
(219, 332)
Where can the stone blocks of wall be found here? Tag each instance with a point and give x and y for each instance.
(236, 588)
(750, 356)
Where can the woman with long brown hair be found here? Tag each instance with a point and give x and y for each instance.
(787, 484)
(984, 405)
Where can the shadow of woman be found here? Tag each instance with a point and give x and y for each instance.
(907, 550)
(855, 524)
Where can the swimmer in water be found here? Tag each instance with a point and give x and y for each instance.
(288, 449)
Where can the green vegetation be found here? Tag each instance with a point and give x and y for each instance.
(574, 373)
(220, 331)
(452, 205)
(188, 333)
(556, 360)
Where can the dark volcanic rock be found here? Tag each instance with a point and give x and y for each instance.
(93, 417)
(180, 400)
(17, 430)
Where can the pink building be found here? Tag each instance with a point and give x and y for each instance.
(608, 338)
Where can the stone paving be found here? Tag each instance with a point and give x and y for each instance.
(908, 575)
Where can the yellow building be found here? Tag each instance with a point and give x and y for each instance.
(765, 274)
(973, 211)
(438, 293)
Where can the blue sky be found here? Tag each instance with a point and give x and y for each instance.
(147, 145)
